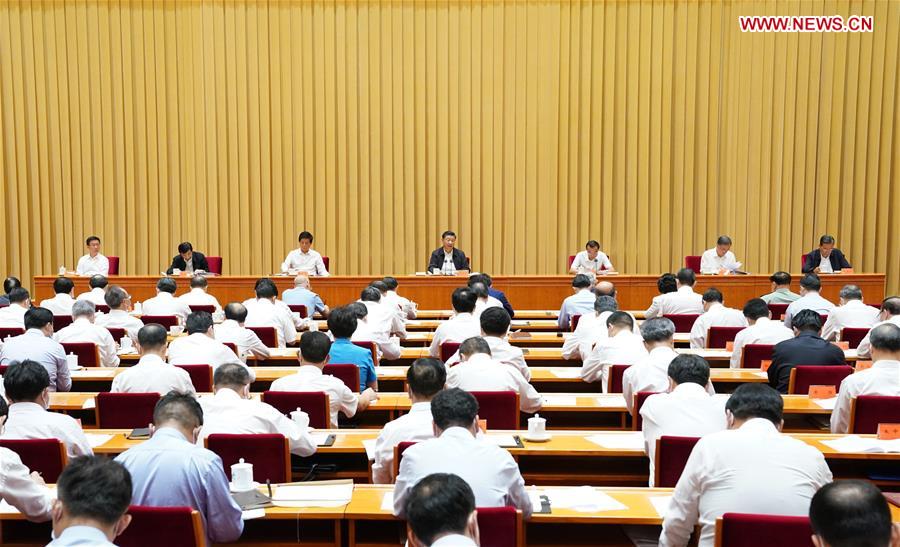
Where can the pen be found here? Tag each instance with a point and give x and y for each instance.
(269, 486)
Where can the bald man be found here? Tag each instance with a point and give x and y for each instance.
(605, 288)
(302, 294)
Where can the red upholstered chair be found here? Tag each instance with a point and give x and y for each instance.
(267, 335)
(614, 380)
(299, 308)
(802, 261)
(117, 333)
(448, 350)
(803, 376)
(125, 410)
(101, 308)
(718, 337)
(500, 526)
(824, 317)
(215, 264)
(573, 322)
(46, 456)
(327, 262)
(778, 310)
(744, 530)
(88, 353)
(345, 372)
(169, 526)
(209, 308)
(113, 265)
(314, 403)
(684, 322)
(867, 411)
(269, 453)
(165, 320)
(3, 369)
(398, 454)
(3, 305)
(61, 321)
(752, 355)
(201, 376)
(10, 331)
(639, 398)
(569, 262)
(853, 335)
(232, 346)
(692, 262)
(672, 454)
(499, 408)
(371, 346)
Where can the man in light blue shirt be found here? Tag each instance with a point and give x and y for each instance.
(171, 470)
(342, 325)
(37, 345)
(302, 295)
(580, 303)
(810, 299)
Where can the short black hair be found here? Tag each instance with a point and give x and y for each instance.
(380, 285)
(4, 407)
(63, 285)
(479, 289)
(473, 345)
(114, 296)
(17, 295)
(463, 300)
(666, 283)
(342, 322)
(811, 282)
(181, 408)
(756, 401)
(826, 240)
(851, 513)
(38, 318)
(885, 337)
(495, 321)
(448, 233)
(713, 294)
(454, 408)
(90, 239)
(11, 283)
(689, 369)
(686, 276)
(198, 321)
(199, 282)
(780, 278)
(426, 376)
(390, 282)
(25, 380)
(314, 346)
(98, 281)
(370, 294)
(95, 488)
(723, 240)
(620, 319)
(582, 281)
(236, 311)
(231, 375)
(305, 235)
(265, 288)
(482, 278)
(605, 303)
(593, 244)
(184, 247)
(657, 329)
(807, 320)
(152, 336)
(891, 305)
(359, 309)
(756, 308)
(167, 284)
(438, 505)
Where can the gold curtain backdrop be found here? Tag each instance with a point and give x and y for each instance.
(526, 126)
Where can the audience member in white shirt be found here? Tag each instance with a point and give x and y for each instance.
(715, 314)
(384, 321)
(809, 299)
(490, 470)
(580, 303)
(93, 262)
(165, 303)
(13, 316)
(762, 329)
(890, 313)
(591, 329)
(483, 299)
(665, 284)
(883, 378)
(27, 389)
(233, 330)
(386, 347)
(719, 259)
(495, 331)
(621, 347)
(265, 311)
(440, 511)
(62, 303)
(591, 260)
(313, 356)
(687, 410)
(683, 301)
(97, 294)
(198, 296)
(408, 308)
(304, 259)
(479, 372)
(119, 303)
(750, 468)
(200, 346)
(232, 410)
(25, 491)
(152, 374)
(425, 378)
(461, 325)
(851, 312)
(83, 329)
(852, 512)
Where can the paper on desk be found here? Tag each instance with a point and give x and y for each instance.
(369, 445)
(503, 441)
(319, 438)
(583, 499)
(535, 497)
(253, 514)
(97, 439)
(560, 400)
(387, 502)
(89, 403)
(390, 372)
(325, 495)
(632, 440)
(661, 504)
(826, 403)
(615, 400)
(567, 372)
(855, 443)
(761, 374)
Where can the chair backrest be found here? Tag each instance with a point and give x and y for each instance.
(299, 308)
(500, 526)
(752, 355)
(201, 376)
(684, 322)
(573, 321)
(569, 262)
(614, 380)
(803, 376)
(398, 454)
(117, 333)
(448, 350)
(267, 335)
(61, 321)
(314, 403)
(802, 261)
(327, 262)
(499, 408)
(269, 453)
(672, 454)
(166, 321)
(10, 331)
(345, 372)
(232, 346)
(113, 265)
(88, 353)
(718, 337)
(101, 308)
(745, 530)
(639, 398)
(215, 264)
(125, 410)
(46, 456)
(371, 346)
(867, 411)
(778, 310)
(209, 308)
(853, 335)
(692, 262)
(169, 526)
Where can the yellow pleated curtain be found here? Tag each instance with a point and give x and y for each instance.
(526, 126)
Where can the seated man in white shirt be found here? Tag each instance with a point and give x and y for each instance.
(810, 299)
(852, 513)
(762, 329)
(851, 312)
(152, 374)
(461, 325)
(591, 260)
(425, 378)
(382, 323)
(495, 331)
(304, 259)
(684, 301)
(665, 284)
(591, 329)
(750, 468)
(479, 372)
(25, 491)
(407, 307)
(233, 330)
(13, 316)
(440, 510)
(27, 389)
(98, 284)
(621, 347)
(883, 378)
(580, 303)
(62, 303)
(200, 346)
(719, 259)
(483, 298)
(715, 314)
(890, 313)
(303, 295)
(165, 303)
(232, 410)
(687, 410)
(38, 345)
(266, 311)
(93, 262)
(386, 347)
(313, 356)
(83, 329)
(119, 303)
(198, 296)
(490, 470)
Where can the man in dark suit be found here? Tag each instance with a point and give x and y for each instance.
(488, 282)
(825, 259)
(806, 348)
(188, 260)
(447, 254)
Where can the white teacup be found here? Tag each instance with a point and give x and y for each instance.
(176, 329)
(313, 325)
(72, 360)
(300, 418)
(242, 475)
(537, 426)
